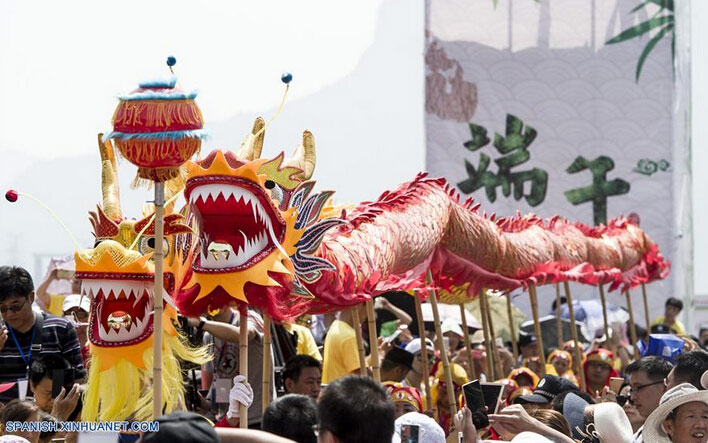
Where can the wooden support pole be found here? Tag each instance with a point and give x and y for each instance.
(646, 308)
(452, 403)
(605, 323)
(632, 327)
(359, 340)
(424, 352)
(157, 298)
(373, 341)
(468, 346)
(493, 338)
(482, 299)
(559, 321)
(536, 324)
(577, 356)
(512, 329)
(265, 392)
(243, 359)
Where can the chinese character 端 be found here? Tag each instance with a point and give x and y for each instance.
(600, 189)
(514, 148)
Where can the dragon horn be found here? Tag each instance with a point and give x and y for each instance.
(253, 143)
(109, 180)
(304, 157)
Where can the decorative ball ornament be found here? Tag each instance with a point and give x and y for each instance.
(11, 196)
(286, 78)
(158, 127)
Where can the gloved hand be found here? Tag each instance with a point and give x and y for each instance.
(241, 394)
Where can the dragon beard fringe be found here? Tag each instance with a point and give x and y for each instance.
(124, 391)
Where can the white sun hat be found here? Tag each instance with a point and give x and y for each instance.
(673, 398)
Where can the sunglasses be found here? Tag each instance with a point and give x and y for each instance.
(623, 399)
(13, 308)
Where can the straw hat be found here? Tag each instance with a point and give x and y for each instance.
(673, 398)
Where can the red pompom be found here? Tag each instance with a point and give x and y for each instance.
(11, 196)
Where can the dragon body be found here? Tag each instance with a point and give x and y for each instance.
(263, 237)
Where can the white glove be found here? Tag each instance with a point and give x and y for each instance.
(241, 394)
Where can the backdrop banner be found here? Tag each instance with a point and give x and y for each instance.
(565, 107)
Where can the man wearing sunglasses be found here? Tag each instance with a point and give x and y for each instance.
(646, 385)
(26, 334)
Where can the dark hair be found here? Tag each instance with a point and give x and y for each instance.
(690, 366)
(17, 410)
(292, 416)
(46, 436)
(557, 403)
(357, 409)
(43, 366)
(656, 368)
(563, 301)
(389, 365)
(675, 302)
(293, 368)
(14, 281)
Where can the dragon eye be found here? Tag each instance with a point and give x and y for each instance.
(269, 184)
(147, 245)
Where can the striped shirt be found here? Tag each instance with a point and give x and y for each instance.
(58, 338)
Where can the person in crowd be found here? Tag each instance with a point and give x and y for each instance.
(438, 392)
(454, 334)
(689, 368)
(569, 347)
(547, 389)
(527, 345)
(306, 344)
(53, 303)
(672, 308)
(646, 382)
(241, 394)
(402, 318)
(606, 423)
(222, 333)
(303, 375)
(397, 363)
(48, 435)
(355, 409)
(27, 334)
(680, 417)
(76, 309)
(341, 354)
(415, 376)
(535, 364)
(64, 406)
(598, 370)
(182, 427)
(406, 399)
(517, 393)
(703, 337)
(635, 418)
(524, 377)
(561, 361)
(559, 400)
(22, 411)
(552, 419)
(514, 424)
(428, 430)
(292, 416)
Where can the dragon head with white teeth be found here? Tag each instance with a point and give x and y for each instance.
(118, 276)
(249, 221)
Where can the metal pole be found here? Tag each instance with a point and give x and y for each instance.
(373, 341)
(157, 299)
(577, 358)
(424, 352)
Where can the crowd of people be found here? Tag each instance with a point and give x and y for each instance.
(616, 391)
